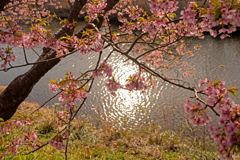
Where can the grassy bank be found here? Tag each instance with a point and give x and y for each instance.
(147, 142)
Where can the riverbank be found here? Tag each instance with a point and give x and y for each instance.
(108, 142)
(145, 142)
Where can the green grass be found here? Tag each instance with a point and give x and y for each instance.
(143, 142)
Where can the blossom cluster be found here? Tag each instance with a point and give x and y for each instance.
(136, 82)
(71, 91)
(6, 56)
(197, 112)
(94, 8)
(104, 68)
(134, 13)
(156, 26)
(57, 141)
(14, 36)
(224, 15)
(113, 86)
(10, 125)
(62, 115)
(13, 145)
(93, 42)
(226, 132)
(161, 8)
(28, 10)
(32, 137)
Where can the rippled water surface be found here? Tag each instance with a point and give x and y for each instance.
(162, 103)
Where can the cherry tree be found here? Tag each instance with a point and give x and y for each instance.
(154, 43)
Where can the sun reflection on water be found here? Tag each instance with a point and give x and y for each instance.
(125, 103)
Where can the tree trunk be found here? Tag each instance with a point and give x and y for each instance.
(22, 85)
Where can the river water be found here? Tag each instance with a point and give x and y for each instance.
(164, 103)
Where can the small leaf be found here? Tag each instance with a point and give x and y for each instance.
(215, 3)
(217, 13)
(84, 88)
(203, 11)
(216, 82)
(173, 14)
(86, 18)
(233, 88)
(234, 93)
(62, 38)
(1, 120)
(53, 81)
(195, 5)
(54, 14)
(39, 20)
(84, 75)
(237, 134)
(66, 75)
(97, 19)
(39, 113)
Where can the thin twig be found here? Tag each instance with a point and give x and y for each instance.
(25, 56)
(211, 107)
(47, 60)
(46, 102)
(35, 52)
